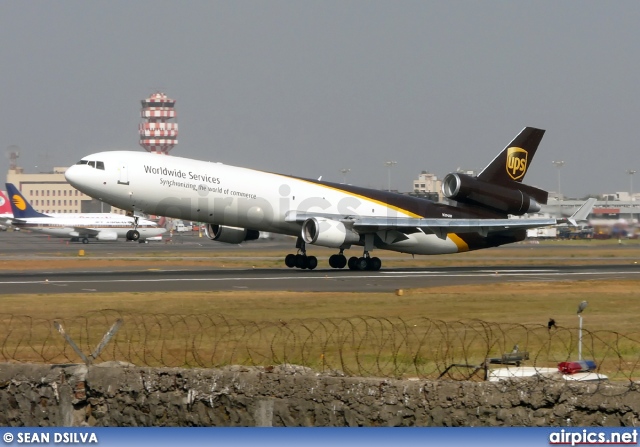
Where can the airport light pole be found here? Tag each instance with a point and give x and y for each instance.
(345, 171)
(631, 172)
(559, 164)
(389, 164)
(581, 307)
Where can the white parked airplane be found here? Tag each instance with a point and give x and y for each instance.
(79, 226)
(237, 203)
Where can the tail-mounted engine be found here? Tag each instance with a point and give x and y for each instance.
(327, 233)
(230, 235)
(514, 199)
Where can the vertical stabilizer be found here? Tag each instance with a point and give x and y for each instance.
(512, 163)
(19, 205)
(5, 206)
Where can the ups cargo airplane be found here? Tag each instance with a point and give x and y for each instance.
(79, 226)
(237, 203)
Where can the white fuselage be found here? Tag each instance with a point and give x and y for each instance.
(101, 226)
(227, 195)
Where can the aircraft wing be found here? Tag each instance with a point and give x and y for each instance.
(440, 227)
(83, 231)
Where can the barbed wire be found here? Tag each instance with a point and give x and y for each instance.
(358, 346)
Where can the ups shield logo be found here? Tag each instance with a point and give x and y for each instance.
(516, 162)
(19, 202)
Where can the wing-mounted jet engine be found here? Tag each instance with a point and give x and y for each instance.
(328, 233)
(230, 235)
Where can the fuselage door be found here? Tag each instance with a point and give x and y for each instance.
(123, 174)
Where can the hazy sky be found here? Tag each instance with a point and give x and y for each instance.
(311, 87)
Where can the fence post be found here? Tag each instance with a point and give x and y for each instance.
(107, 337)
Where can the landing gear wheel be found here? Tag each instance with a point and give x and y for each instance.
(375, 264)
(135, 235)
(353, 261)
(85, 240)
(301, 261)
(311, 262)
(290, 261)
(362, 263)
(337, 261)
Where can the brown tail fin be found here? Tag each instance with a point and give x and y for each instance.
(512, 163)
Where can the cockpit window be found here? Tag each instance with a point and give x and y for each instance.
(93, 164)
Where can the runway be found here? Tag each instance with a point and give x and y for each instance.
(175, 278)
(179, 280)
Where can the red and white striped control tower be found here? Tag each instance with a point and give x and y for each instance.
(157, 133)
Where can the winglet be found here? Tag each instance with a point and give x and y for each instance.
(582, 213)
(19, 205)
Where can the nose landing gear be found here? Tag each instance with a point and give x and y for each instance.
(133, 235)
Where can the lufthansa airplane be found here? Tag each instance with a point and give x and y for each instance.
(5, 212)
(79, 226)
(237, 203)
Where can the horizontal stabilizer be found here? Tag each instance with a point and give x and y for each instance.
(540, 195)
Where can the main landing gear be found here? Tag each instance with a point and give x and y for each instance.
(133, 235)
(301, 260)
(337, 261)
(366, 262)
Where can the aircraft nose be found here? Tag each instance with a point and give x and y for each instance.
(80, 177)
(72, 175)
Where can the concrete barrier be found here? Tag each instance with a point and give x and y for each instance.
(122, 395)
